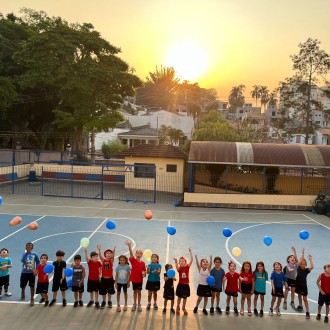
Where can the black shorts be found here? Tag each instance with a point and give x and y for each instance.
(183, 291)
(107, 285)
(231, 294)
(302, 289)
(153, 286)
(4, 281)
(291, 283)
(324, 299)
(259, 293)
(246, 288)
(93, 285)
(76, 288)
(204, 291)
(168, 293)
(119, 286)
(213, 289)
(278, 292)
(27, 278)
(137, 286)
(57, 285)
(42, 288)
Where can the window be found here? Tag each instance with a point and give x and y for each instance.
(273, 113)
(144, 170)
(171, 168)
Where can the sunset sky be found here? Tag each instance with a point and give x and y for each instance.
(217, 43)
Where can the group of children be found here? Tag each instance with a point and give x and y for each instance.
(103, 281)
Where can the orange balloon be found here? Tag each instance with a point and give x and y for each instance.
(33, 225)
(16, 221)
(148, 214)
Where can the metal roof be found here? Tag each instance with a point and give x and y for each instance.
(269, 154)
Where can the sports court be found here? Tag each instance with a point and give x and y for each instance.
(63, 222)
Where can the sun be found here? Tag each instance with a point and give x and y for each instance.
(189, 61)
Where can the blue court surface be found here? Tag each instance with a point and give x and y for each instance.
(203, 236)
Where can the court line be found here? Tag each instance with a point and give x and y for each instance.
(168, 244)
(319, 223)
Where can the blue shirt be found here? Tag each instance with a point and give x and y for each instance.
(279, 279)
(260, 282)
(123, 272)
(30, 261)
(218, 275)
(4, 262)
(154, 277)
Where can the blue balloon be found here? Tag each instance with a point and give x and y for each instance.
(171, 273)
(145, 202)
(0, 200)
(304, 234)
(210, 280)
(68, 272)
(48, 269)
(268, 240)
(135, 201)
(70, 282)
(313, 211)
(227, 232)
(127, 200)
(111, 225)
(171, 230)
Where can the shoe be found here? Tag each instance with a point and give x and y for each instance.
(249, 313)
(308, 316)
(172, 311)
(236, 311)
(22, 295)
(271, 313)
(102, 305)
(164, 311)
(195, 310)
(90, 303)
(185, 313)
(278, 312)
(0, 295)
(299, 308)
(125, 308)
(212, 310)
(110, 304)
(133, 308)
(53, 302)
(285, 306)
(155, 306)
(8, 294)
(255, 311)
(64, 302)
(118, 309)
(318, 317)
(46, 303)
(139, 308)
(227, 310)
(205, 311)
(42, 300)
(148, 307)
(219, 310)
(97, 304)
(178, 311)
(241, 312)
(75, 304)
(81, 303)
(261, 313)
(32, 302)
(326, 319)
(293, 305)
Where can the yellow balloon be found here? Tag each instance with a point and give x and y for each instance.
(147, 253)
(84, 242)
(236, 251)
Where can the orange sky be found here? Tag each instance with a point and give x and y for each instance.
(219, 43)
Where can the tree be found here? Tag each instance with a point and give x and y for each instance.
(264, 96)
(112, 148)
(169, 135)
(236, 97)
(256, 93)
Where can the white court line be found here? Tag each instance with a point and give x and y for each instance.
(168, 244)
(319, 223)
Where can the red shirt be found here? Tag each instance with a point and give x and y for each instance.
(107, 268)
(94, 270)
(42, 276)
(249, 277)
(325, 283)
(184, 275)
(137, 268)
(232, 282)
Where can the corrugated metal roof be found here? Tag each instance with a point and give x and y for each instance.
(259, 154)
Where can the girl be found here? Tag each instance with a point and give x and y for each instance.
(168, 289)
(203, 289)
(153, 282)
(218, 273)
(260, 278)
(43, 280)
(183, 289)
(290, 271)
(277, 280)
(5, 264)
(232, 288)
(123, 274)
(247, 286)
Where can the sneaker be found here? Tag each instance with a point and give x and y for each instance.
(75, 304)
(195, 310)
(155, 306)
(32, 302)
(255, 311)
(241, 312)
(139, 308)
(205, 311)
(46, 303)
(318, 317)
(8, 294)
(148, 307)
(278, 312)
(261, 313)
(212, 310)
(102, 304)
(249, 313)
(185, 313)
(293, 305)
(308, 316)
(236, 311)
(326, 319)
(227, 310)
(285, 306)
(97, 304)
(42, 300)
(271, 312)
(164, 311)
(90, 303)
(118, 309)
(172, 311)
(219, 310)
(178, 311)
(53, 302)
(299, 308)
(22, 295)
(110, 304)
(125, 308)
(81, 303)
(64, 302)
(133, 308)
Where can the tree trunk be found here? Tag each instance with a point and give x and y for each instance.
(308, 110)
(93, 146)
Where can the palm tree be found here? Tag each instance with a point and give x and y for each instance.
(272, 101)
(256, 93)
(236, 97)
(264, 96)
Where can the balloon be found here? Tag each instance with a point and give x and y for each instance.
(70, 282)
(313, 211)
(0, 200)
(127, 200)
(145, 202)
(236, 251)
(68, 272)
(148, 214)
(304, 234)
(170, 273)
(171, 230)
(16, 221)
(227, 232)
(84, 242)
(33, 225)
(268, 240)
(110, 225)
(147, 254)
(210, 280)
(48, 269)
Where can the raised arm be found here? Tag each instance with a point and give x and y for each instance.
(191, 257)
(294, 253)
(176, 263)
(197, 263)
(86, 255)
(99, 247)
(210, 263)
(114, 254)
(311, 264)
(302, 256)
(129, 244)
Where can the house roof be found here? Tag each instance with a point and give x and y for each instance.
(145, 131)
(262, 154)
(150, 150)
(324, 131)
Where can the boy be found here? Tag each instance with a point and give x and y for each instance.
(78, 280)
(30, 261)
(5, 264)
(107, 285)
(323, 282)
(93, 283)
(137, 274)
(43, 280)
(290, 271)
(59, 280)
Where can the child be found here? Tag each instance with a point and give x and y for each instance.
(183, 288)
(123, 274)
(323, 282)
(277, 280)
(290, 272)
(218, 273)
(168, 293)
(5, 264)
(232, 288)
(59, 279)
(260, 278)
(203, 289)
(30, 261)
(301, 282)
(43, 280)
(78, 277)
(137, 274)
(247, 286)
(107, 285)
(93, 282)
(153, 282)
